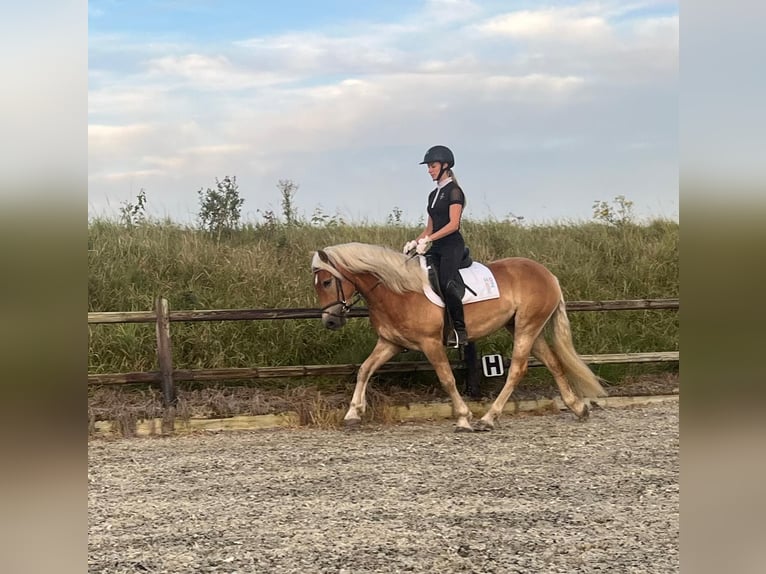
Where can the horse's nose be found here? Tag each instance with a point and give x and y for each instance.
(332, 319)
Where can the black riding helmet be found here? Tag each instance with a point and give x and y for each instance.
(439, 153)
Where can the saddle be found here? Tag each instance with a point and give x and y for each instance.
(478, 282)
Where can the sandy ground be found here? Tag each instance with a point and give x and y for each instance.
(540, 494)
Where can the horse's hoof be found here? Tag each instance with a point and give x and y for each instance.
(483, 426)
(585, 413)
(352, 424)
(463, 429)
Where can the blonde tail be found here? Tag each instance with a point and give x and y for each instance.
(580, 377)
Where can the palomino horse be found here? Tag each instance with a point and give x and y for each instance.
(403, 317)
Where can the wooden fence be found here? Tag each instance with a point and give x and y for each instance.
(167, 375)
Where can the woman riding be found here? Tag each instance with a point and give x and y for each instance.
(442, 239)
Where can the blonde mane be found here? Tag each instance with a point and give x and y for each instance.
(390, 266)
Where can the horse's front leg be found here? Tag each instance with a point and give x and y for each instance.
(438, 358)
(382, 352)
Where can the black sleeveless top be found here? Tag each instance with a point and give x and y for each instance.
(439, 201)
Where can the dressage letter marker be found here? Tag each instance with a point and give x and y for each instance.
(492, 365)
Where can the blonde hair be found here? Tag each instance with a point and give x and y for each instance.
(451, 174)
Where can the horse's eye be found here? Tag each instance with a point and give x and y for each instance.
(326, 283)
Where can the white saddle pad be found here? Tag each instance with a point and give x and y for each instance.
(478, 277)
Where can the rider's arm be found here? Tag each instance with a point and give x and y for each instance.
(427, 231)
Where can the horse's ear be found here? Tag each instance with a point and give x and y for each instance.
(323, 256)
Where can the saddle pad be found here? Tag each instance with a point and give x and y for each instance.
(478, 277)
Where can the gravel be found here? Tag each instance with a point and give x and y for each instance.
(540, 494)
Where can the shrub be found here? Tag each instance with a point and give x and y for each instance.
(220, 208)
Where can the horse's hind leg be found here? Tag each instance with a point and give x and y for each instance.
(383, 351)
(545, 354)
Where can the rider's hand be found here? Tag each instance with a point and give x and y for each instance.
(423, 246)
(409, 247)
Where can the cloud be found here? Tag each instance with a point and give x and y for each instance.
(449, 11)
(215, 73)
(661, 31)
(313, 54)
(533, 87)
(557, 23)
(152, 150)
(320, 105)
(604, 42)
(391, 109)
(103, 136)
(215, 149)
(123, 100)
(118, 176)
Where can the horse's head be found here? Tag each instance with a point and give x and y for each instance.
(333, 290)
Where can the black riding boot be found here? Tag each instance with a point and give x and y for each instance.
(453, 300)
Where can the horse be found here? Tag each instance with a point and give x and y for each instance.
(392, 284)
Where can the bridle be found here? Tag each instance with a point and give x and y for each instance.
(345, 306)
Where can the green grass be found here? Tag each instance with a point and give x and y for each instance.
(269, 267)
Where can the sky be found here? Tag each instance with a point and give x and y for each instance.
(547, 106)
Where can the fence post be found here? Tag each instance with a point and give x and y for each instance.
(165, 357)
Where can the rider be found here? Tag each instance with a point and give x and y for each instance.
(442, 235)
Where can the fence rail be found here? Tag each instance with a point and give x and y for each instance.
(240, 373)
(167, 375)
(307, 313)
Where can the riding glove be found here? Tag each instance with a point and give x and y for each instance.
(409, 247)
(424, 245)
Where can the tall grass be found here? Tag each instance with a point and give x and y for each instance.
(269, 267)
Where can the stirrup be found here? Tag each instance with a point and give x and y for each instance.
(457, 339)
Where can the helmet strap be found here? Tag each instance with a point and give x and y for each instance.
(442, 170)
